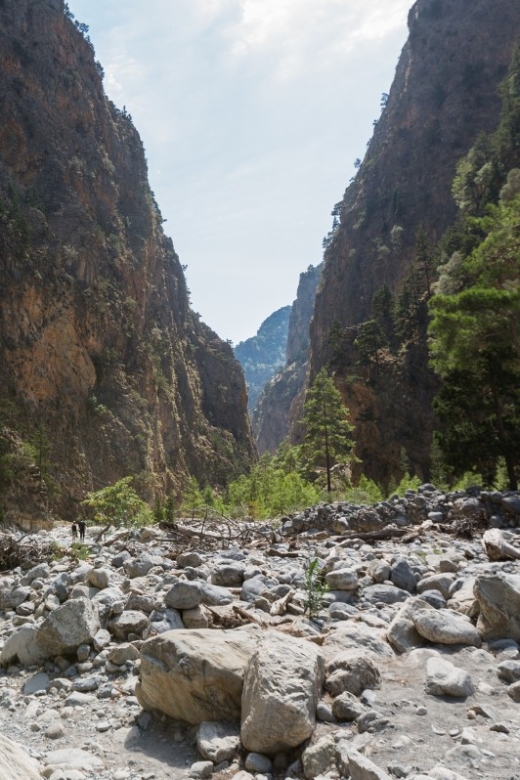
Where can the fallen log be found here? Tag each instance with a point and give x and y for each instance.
(372, 536)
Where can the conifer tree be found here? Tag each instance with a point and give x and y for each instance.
(327, 439)
(475, 348)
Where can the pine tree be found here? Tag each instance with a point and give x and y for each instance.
(327, 439)
(475, 348)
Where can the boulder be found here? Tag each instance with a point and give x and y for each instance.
(346, 707)
(362, 768)
(445, 628)
(72, 624)
(496, 546)
(353, 672)
(498, 597)
(22, 645)
(282, 688)
(15, 764)
(385, 594)
(402, 634)
(445, 679)
(319, 758)
(130, 621)
(440, 582)
(228, 575)
(342, 579)
(100, 577)
(184, 594)
(162, 620)
(353, 636)
(195, 675)
(403, 576)
(218, 741)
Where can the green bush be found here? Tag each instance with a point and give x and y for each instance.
(118, 504)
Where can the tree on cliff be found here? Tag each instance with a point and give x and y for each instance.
(327, 440)
(475, 348)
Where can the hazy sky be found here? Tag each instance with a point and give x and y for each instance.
(252, 113)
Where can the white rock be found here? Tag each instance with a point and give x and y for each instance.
(72, 624)
(282, 687)
(195, 675)
(445, 679)
(15, 764)
(446, 628)
(498, 597)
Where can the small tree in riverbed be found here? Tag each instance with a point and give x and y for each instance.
(327, 440)
(118, 504)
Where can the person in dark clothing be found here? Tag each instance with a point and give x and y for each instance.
(82, 527)
(74, 530)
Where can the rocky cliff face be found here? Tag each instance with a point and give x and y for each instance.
(444, 94)
(279, 406)
(263, 355)
(100, 353)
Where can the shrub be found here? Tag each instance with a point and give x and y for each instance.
(118, 504)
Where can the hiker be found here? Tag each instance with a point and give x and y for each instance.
(82, 526)
(74, 530)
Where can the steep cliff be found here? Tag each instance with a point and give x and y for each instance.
(279, 406)
(106, 370)
(263, 355)
(445, 93)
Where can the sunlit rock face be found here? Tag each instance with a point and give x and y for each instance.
(99, 348)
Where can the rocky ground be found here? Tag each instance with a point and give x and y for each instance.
(186, 651)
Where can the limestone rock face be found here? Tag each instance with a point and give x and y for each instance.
(70, 625)
(195, 675)
(282, 688)
(498, 598)
(445, 93)
(15, 764)
(98, 344)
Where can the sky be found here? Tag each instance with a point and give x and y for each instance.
(252, 113)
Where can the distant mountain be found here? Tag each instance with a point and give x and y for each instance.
(263, 355)
(280, 404)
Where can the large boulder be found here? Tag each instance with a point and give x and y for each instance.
(402, 634)
(282, 687)
(498, 597)
(72, 624)
(445, 627)
(22, 645)
(15, 764)
(195, 675)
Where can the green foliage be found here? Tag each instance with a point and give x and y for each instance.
(314, 587)
(407, 483)
(475, 348)
(327, 439)
(366, 492)
(118, 504)
(271, 489)
(79, 551)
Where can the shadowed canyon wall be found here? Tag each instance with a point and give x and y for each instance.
(105, 369)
